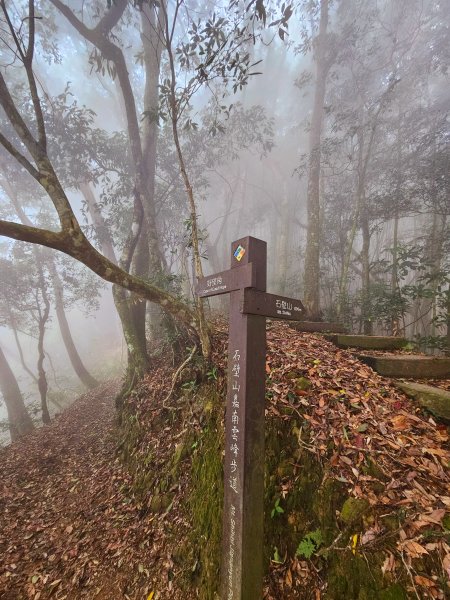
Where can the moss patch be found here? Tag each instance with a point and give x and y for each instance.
(353, 510)
(206, 498)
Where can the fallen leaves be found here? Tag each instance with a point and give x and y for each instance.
(414, 549)
(71, 526)
(356, 419)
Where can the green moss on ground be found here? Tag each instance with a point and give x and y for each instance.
(353, 510)
(314, 501)
(206, 497)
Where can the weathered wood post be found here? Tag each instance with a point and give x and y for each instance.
(242, 547)
(242, 541)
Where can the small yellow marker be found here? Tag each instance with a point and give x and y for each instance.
(354, 543)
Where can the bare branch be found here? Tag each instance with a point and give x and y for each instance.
(19, 157)
(32, 235)
(17, 121)
(76, 245)
(28, 63)
(111, 18)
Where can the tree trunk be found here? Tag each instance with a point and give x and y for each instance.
(137, 364)
(137, 305)
(312, 255)
(75, 360)
(283, 242)
(19, 420)
(101, 229)
(363, 163)
(12, 325)
(131, 311)
(195, 240)
(395, 325)
(365, 279)
(42, 321)
(138, 359)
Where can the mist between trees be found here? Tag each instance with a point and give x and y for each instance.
(139, 139)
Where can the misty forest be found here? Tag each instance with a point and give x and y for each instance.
(172, 426)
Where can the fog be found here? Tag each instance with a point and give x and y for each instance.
(322, 130)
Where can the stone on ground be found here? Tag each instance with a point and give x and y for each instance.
(408, 367)
(435, 400)
(368, 342)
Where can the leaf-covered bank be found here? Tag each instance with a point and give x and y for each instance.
(357, 490)
(356, 502)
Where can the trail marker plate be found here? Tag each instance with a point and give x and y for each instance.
(226, 281)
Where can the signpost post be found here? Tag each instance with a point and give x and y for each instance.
(242, 539)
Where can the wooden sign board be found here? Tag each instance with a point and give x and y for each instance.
(242, 539)
(273, 306)
(226, 281)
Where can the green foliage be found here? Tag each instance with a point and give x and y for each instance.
(190, 385)
(417, 279)
(277, 510)
(310, 544)
(212, 374)
(276, 557)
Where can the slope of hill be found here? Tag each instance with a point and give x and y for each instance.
(357, 487)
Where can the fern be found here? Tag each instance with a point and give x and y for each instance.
(310, 544)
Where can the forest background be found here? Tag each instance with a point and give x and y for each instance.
(158, 133)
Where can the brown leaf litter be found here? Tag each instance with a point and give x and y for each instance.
(72, 527)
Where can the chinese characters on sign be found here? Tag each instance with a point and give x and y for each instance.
(285, 308)
(234, 454)
(227, 281)
(214, 284)
(234, 421)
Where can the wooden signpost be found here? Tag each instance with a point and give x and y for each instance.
(242, 540)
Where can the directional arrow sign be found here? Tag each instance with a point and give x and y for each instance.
(227, 281)
(271, 305)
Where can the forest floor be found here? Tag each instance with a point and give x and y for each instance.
(72, 528)
(68, 529)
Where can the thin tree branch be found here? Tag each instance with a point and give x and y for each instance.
(28, 63)
(19, 157)
(76, 245)
(17, 121)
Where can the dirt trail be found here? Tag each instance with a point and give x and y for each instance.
(64, 510)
